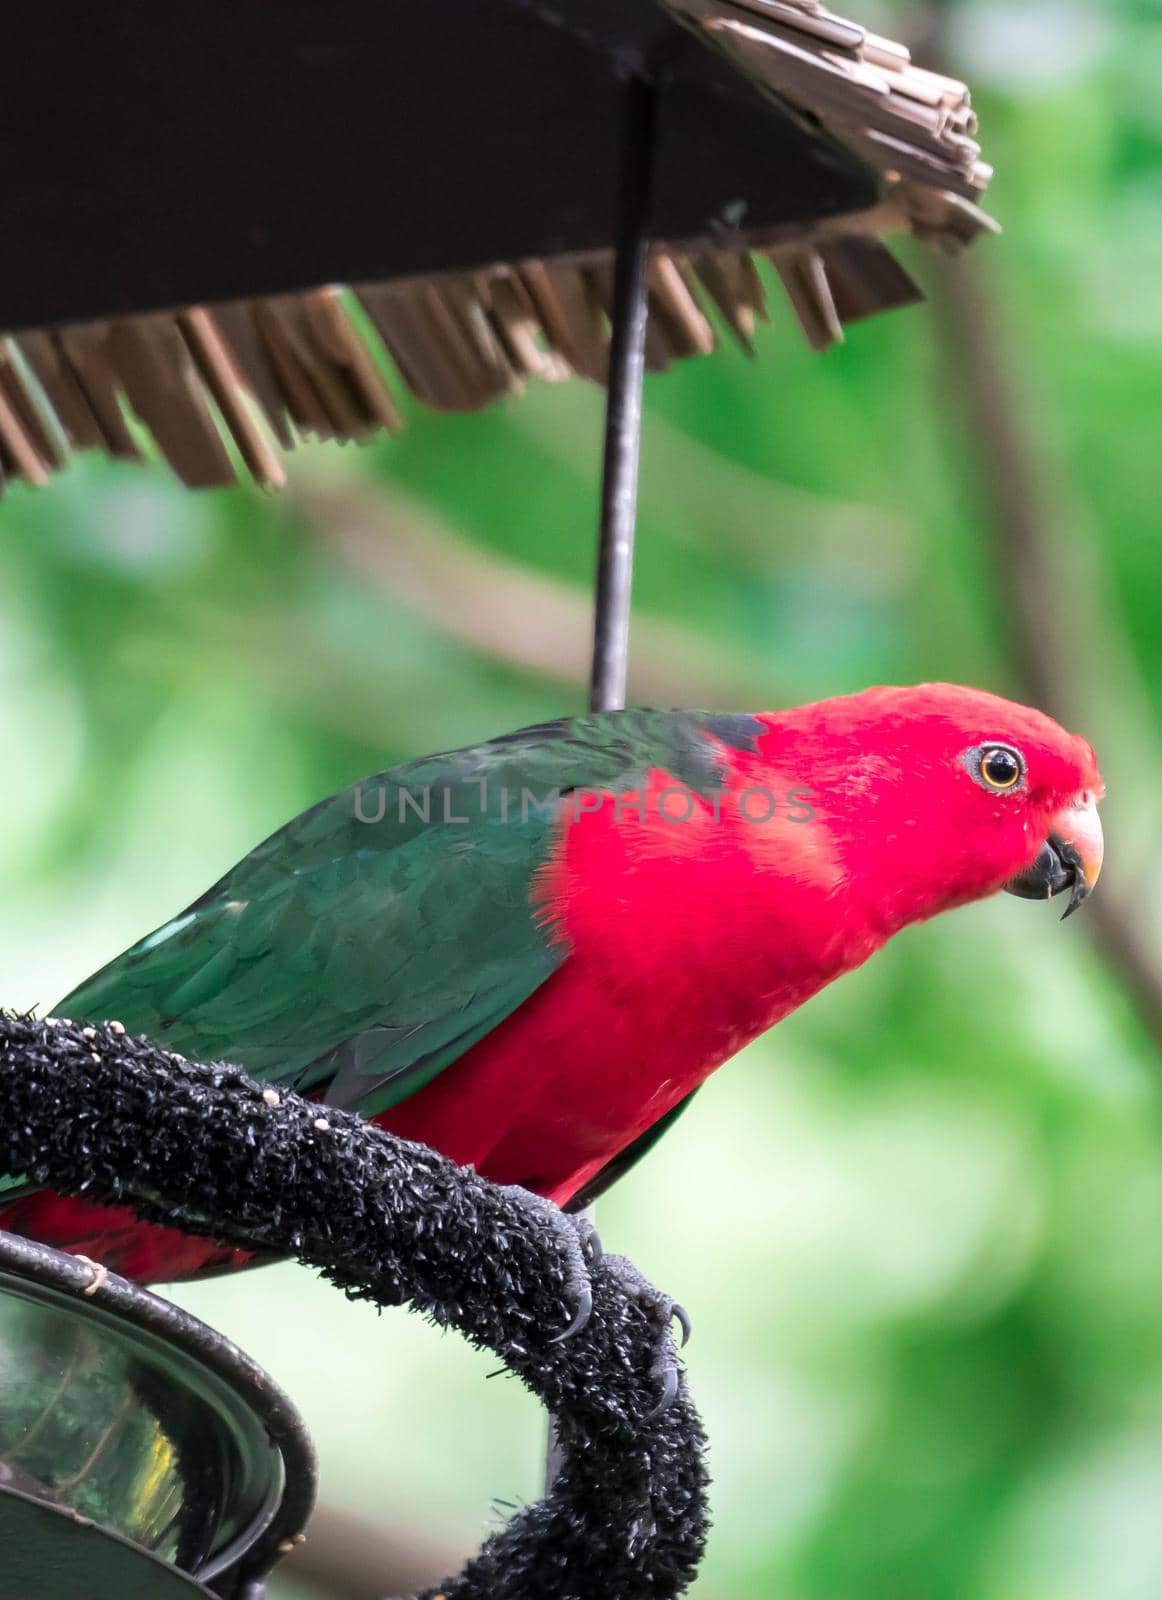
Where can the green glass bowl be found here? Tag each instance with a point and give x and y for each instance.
(132, 1416)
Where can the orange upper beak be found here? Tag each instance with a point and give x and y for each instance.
(1070, 858)
(1079, 829)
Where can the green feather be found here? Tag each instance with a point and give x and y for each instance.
(367, 955)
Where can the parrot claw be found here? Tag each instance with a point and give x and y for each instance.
(580, 1316)
(589, 1237)
(661, 1311)
(682, 1317)
(667, 1374)
(581, 1246)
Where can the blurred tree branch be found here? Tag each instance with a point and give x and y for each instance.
(351, 1557)
(507, 611)
(1040, 595)
(704, 498)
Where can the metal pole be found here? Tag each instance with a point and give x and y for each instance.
(623, 421)
(623, 407)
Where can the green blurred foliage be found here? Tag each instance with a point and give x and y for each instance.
(920, 1228)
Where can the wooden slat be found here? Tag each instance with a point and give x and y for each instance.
(718, 274)
(671, 300)
(282, 348)
(240, 410)
(328, 379)
(442, 326)
(514, 316)
(464, 299)
(752, 292)
(86, 350)
(338, 340)
(399, 319)
(157, 373)
(19, 452)
(43, 353)
(864, 278)
(247, 347)
(835, 32)
(571, 317)
(805, 280)
(42, 433)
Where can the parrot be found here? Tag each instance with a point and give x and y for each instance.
(530, 953)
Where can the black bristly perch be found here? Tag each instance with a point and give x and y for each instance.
(93, 1111)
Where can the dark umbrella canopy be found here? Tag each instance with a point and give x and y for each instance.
(458, 163)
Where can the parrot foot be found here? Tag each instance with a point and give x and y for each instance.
(661, 1310)
(581, 1248)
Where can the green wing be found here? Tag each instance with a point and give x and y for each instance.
(375, 938)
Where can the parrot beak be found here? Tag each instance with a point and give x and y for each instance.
(1070, 858)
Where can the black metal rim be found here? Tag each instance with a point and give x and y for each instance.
(128, 1303)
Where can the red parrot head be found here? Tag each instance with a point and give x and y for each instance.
(935, 795)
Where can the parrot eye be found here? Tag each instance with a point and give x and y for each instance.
(996, 766)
